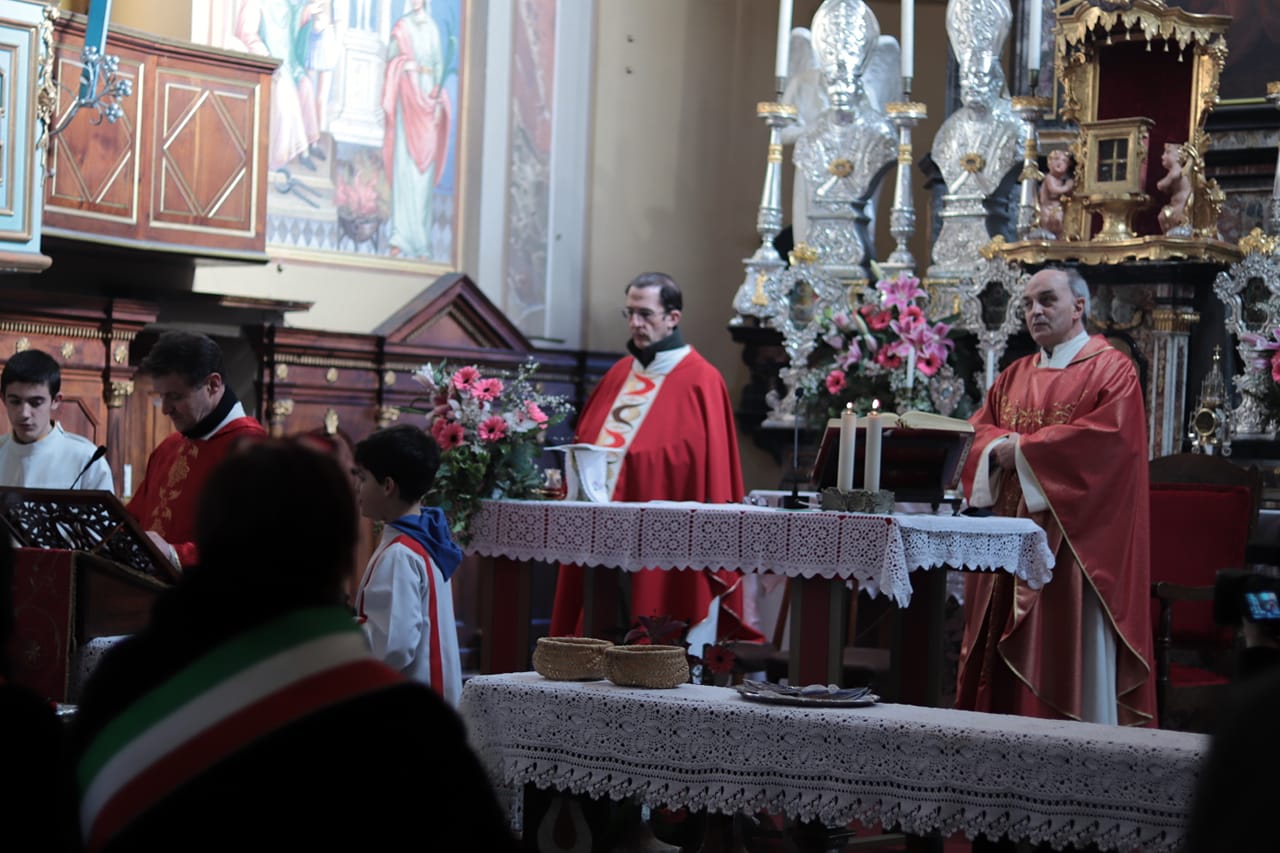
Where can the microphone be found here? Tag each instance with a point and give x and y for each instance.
(97, 454)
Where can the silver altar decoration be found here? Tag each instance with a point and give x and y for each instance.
(994, 325)
(751, 299)
(799, 297)
(1210, 425)
(902, 217)
(1250, 290)
(981, 142)
(846, 150)
(1030, 110)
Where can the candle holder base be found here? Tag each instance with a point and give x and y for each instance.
(858, 500)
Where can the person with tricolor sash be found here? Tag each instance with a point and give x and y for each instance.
(250, 715)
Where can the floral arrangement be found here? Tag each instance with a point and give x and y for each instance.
(1266, 367)
(866, 354)
(490, 430)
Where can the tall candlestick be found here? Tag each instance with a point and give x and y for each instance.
(911, 369)
(991, 367)
(1035, 10)
(848, 448)
(908, 39)
(784, 43)
(871, 464)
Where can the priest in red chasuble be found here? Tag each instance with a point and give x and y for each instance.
(186, 375)
(1062, 439)
(668, 410)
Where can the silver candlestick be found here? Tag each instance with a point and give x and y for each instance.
(1030, 108)
(904, 115)
(751, 300)
(1273, 224)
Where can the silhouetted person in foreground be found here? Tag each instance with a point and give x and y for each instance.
(249, 715)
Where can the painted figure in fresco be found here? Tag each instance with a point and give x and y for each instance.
(267, 28)
(417, 112)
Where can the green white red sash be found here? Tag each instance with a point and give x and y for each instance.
(253, 685)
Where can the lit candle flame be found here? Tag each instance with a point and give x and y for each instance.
(848, 407)
(875, 407)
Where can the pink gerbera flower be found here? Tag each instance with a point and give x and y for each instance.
(535, 413)
(835, 382)
(451, 434)
(1275, 367)
(464, 379)
(493, 428)
(485, 390)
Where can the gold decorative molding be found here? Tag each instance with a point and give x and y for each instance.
(22, 345)
(1273, 88)
(320, 361)
(121, 354)
(995, 247)
(1037, 102)
(331, 375)
(1173, 320)
(774, 108)
(759, 298)
(281, 409)
(282, 371)
(775, 153)
(906, 108)
(904, 154)
(389, 378)
(50, 329)
(840, 167)
(117, 392)
(384, 416)
(1148, 248)
(1257, 241)
(68, 349)
(46, 82)
(330, 422)
(803, 253)
(973, 162)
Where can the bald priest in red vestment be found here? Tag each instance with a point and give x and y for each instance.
(668, 410)
(187, 375)
(1062, 439)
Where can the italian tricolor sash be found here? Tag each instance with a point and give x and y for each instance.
(255, 684)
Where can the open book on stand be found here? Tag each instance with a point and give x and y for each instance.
(922, 455)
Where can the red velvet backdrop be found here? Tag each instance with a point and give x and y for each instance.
(1134, 82)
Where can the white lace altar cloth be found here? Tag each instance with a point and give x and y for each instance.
(876, 550)
(924, 769)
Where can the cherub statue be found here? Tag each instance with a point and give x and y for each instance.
(1177, 183)
(1058, 182)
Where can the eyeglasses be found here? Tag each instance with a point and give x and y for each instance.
(644, 314)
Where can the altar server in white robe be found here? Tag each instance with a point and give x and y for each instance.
(38, 453)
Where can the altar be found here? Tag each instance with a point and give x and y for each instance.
(820, 550)
(927, 770)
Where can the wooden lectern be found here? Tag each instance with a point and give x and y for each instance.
(83, 569)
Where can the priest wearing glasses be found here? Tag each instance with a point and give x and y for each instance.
(667, 409)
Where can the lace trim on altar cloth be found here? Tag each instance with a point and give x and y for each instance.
(877, 551)
(924, 770)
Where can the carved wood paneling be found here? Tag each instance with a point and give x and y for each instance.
(183, 169)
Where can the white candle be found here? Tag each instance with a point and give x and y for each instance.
(848, 447)
(991, 367)
(908, 38)
(784, 39)
(1036, 9)
(871, 464)
(911, 369)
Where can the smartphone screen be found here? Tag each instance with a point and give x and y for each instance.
(1262, 606)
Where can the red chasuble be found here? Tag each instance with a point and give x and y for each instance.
(1082, 429)
(686, 449)
(176, 470)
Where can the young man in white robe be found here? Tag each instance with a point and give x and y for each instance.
(38, 453)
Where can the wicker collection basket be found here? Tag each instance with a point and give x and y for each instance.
(570, 658)
(646, 666)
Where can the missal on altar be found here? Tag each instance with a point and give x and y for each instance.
(922, 454)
